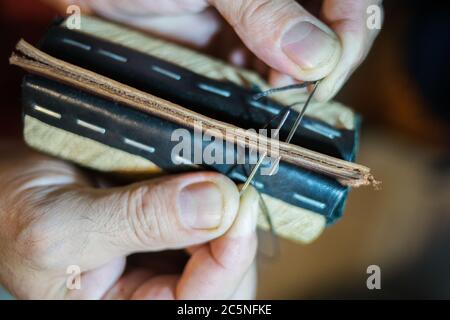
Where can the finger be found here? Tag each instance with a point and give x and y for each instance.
(348, 19)
(164, 287)
(247, 288)
(183, 21)
(284, 35)
(157, 288)
(139, 8)
(192, 249)
(94, 283)
(93, 226)
(278, 79)
(215, 271)
(127, 285)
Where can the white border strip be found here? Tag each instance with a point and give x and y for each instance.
(91, 126)
(311, 202)
(220, 92)
(139, 145)
(47, 111)
(166, 73)
(112, 55)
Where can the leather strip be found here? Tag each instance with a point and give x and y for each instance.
(226, 101)
(41, 63)
(148, 136)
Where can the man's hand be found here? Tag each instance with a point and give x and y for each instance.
(296, 44)
(52, 216)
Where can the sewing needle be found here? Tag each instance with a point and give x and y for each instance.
(288, 139)
(296, 125)
(263, 156)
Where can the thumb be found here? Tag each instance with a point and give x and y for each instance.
(284, 35)
(166, 213)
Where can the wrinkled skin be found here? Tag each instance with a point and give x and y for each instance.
(54, 215)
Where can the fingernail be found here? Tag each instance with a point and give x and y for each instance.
(201, 205)
(308, 46)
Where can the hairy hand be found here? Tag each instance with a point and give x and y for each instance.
(52, 216)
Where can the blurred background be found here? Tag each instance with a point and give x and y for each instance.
(402, 91)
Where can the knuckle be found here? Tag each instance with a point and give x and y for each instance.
(146, 208)
(30, 235)
(34, 244)
(40, 236)
(250, 12)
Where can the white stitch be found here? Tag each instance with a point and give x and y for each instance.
(241, 177)
(185, 161)
(47, 111)
(259, 105)
(167, 73)
(91, 126)
(112, 55)
(312, 202)
(215, 90)
(238, 176)
(77, 44)
(139, 145)
(258, 184)
(321, 129)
